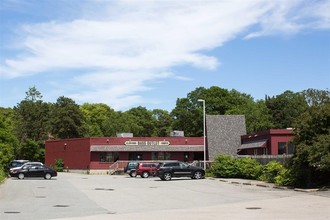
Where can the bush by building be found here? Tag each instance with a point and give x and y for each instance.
(226, 166)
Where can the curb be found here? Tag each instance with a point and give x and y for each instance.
(250, 183)
(306, 190)
(269, 185)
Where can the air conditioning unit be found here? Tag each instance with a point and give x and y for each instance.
(125, 134)
(177, 134)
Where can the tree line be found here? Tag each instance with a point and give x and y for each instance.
(25, 127)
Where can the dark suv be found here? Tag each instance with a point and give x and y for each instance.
(146, 169)
(130, 169)
(167, 170)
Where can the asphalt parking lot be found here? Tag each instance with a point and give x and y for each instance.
(78, 196)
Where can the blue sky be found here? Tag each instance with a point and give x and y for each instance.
(149, 53)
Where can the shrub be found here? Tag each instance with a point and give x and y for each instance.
(2, 174)
(284, 178)
(248, 168)
(224, 166)
(230, 167)
(271, 170)
(59, 165)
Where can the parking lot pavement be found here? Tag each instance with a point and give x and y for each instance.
(123, 197)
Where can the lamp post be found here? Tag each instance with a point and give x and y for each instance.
(204, 125)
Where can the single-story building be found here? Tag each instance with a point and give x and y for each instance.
(100, 152)
(223, 136)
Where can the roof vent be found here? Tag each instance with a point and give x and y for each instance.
(177, 134)
(124, 134)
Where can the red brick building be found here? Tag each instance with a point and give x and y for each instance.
(100, 153)
(267, 142)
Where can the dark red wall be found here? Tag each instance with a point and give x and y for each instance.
(274, 136)
(74, 152)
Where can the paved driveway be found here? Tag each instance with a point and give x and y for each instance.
(78, 196)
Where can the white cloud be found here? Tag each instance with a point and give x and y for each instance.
(129, 44)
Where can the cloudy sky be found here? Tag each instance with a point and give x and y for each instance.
(149, 53)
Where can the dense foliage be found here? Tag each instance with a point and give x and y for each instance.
(25, 127)
(229, 167)
(311, 162)
(226, 166)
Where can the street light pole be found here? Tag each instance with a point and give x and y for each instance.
(204, 130)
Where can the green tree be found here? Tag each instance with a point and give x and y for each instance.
(32, 150)
(32, 117)
(95, 116)
(164, 122)
(285, 108)
(145, 120)
(188, 117)
(188, 113)
(257, 116)
(121, 122)
(311, 161)
(315, 97)
(33, 95)
(8, 142)
(67, 119)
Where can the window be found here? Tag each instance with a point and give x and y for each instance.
(186, 156)
(285, 148)
(109, 156)
(183, 165)
(282, 147)
(160, 156)
(135, 156)
(172, 165)
(154, 156)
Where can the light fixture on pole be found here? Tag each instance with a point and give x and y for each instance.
(204, 130)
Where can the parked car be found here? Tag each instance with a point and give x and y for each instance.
(146, 169)
(167, 170)
(130, 169)
(17, 163)
(27, 163)
(34, 171)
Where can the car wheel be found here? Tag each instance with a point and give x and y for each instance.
(198, 175)
(145, 174)
(167, 176)
(21, 176)
(132, 174)
(48, 176)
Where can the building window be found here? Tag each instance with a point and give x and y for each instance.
(186, 156)
(285, 148)
(265, 151)
(160, 156)
(154, 156)
(282, 147)
(109, 156)
(135, 156)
